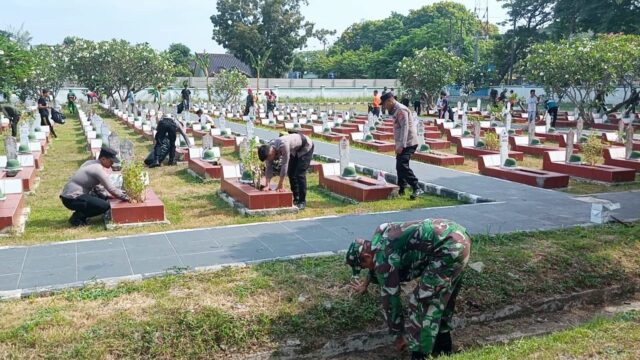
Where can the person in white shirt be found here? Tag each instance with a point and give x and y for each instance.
(532, 105)
(203, 118)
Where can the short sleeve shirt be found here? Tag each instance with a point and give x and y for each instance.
(43, 112)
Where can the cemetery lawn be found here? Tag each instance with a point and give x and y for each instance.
(256, 308)
(189, 203)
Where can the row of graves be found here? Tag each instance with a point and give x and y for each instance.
(620, 148)
(150, 209)
(19, 168)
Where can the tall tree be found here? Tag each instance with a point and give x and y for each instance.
(15, 65)
(50, 71)
(251, 27)
(583, 68)
(181, 57)
(604, 16)
(228, 85)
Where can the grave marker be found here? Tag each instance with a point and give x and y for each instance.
(24, 134)
(504, 147)
(114, 142)
(207, 142)
(344, 154)
(628, 145)
(579, 127)
(531, 131)
(476, 132)
(126, 151)
(10, 148)
(569, 148)
(421, 132)
(250, 129)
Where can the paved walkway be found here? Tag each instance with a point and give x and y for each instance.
(516, 208)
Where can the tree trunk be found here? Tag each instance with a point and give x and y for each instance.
(625, 103)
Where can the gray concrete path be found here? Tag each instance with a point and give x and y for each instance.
(516, 207)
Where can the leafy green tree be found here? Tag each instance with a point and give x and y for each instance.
(352, 64)
(15, 65)
(181, 57)
(372, 34)
(430, 70)
(251, 27)
(228, 85)
(202, 62)
(584, 67)
(50, 71)
(116, 66)
(604, 16)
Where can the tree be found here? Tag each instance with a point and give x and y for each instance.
(323, 36)
(21, 36)
(604, 16)
(251, 27)
(15, 65)
(228, 85)
(180, 56)
(430, 70)
(373, 34)
(50, 71)
(258, 64)
(352, 64)
(202, 62)
(116, 66)
(585, 67)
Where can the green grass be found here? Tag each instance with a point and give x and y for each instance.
(241, 310)
(603, 338)
(578, 187)
(189, 203)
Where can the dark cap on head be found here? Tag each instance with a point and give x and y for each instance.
(109, 153)
(386, 96)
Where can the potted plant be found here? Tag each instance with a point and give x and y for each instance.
(326, 130)
(591, 149)
(534, 142)
(251, 165)
(368, 138)
(425, 148)
(134, 181)
(492, 142)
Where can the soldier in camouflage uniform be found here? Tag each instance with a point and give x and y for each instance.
(433, 251)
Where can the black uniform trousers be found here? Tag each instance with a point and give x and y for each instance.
(86, 206)
(297, 173)
(405, 174)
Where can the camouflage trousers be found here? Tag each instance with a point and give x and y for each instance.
(432, 302)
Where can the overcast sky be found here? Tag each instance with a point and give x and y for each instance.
(162, 22)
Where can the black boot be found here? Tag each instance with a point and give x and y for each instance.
(416, 355)
(443, 345)
(172, 160)
(77, 220)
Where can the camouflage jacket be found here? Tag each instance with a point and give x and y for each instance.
(404, 250)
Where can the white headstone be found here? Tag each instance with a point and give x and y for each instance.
(579, 127)
(114, 142)
(476, 132)
(250, 129)
(620, 126)
(504, 146)
(421, 132)
(465, 122)
(207, 142)
(465, 106)
(532, 131)
(24, 134)
(547, 121)
(508, 121)
(344, 154)
(569, 148)
(126, 151)
(628, 142)
(479, 102)
(10, 147)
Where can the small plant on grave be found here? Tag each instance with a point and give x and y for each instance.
(133, 181)
(372, 128)
(224, 133)
(24, 149)
(425, 148)
(492, 141)
(368, 138)
(251, 164)
(592, 149)
(551, 130)
(326, 130)
(466, 133)
(635, 155)
(534, 142)
(476, 118)
(510, 162)
(457, 126)
(480, 144)
(13, 167)
(296, 126)
(511, 132)
(494, 124)
(583, 139)
(32, 136)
